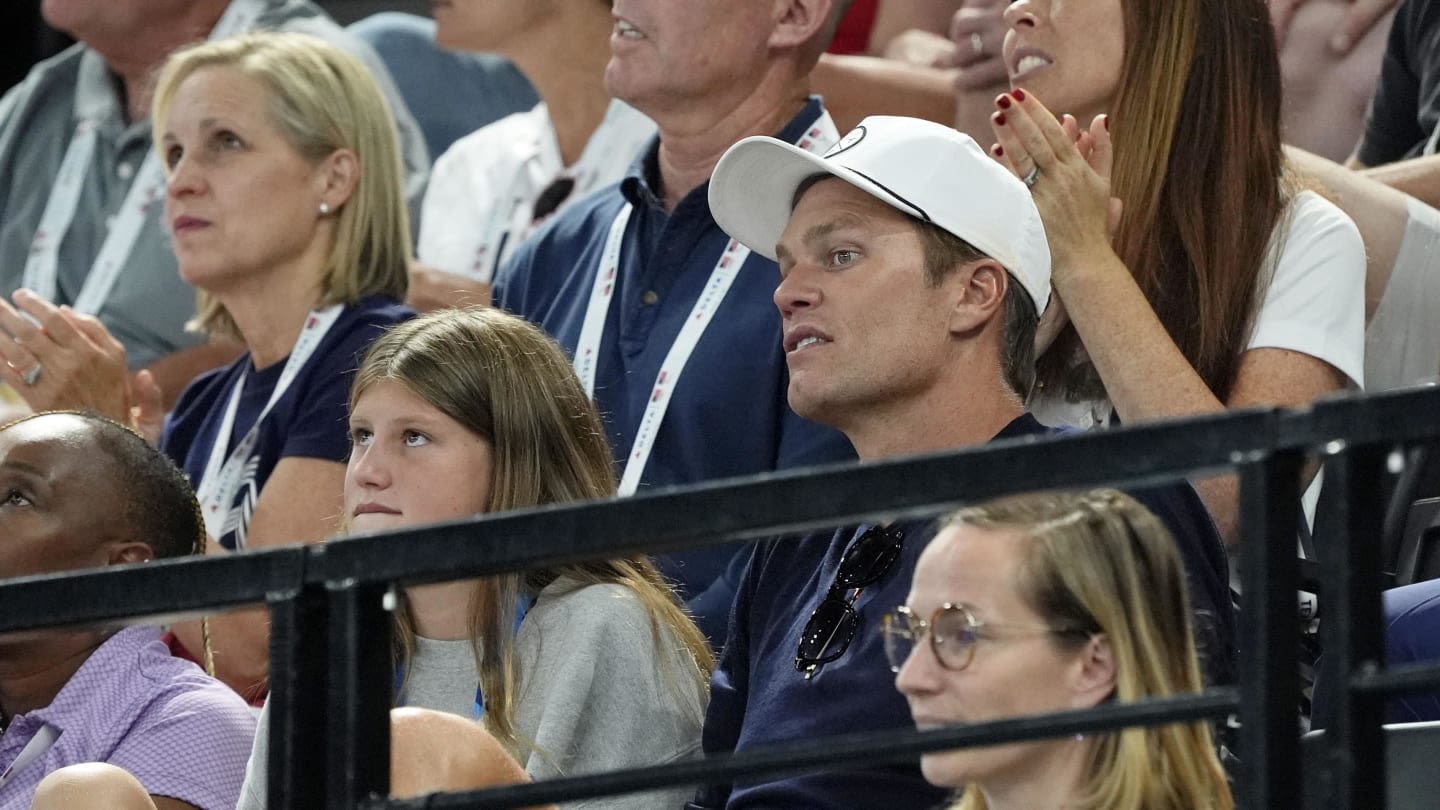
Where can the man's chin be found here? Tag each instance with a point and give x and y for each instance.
(808, 403)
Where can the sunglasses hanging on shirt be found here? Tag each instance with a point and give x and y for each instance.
(833, 624)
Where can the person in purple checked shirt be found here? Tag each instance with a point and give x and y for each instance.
(79, 491)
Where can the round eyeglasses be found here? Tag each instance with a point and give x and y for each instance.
(953, 632)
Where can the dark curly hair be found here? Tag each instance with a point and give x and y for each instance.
(157, 502)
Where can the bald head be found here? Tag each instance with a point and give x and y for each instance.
(81, 491)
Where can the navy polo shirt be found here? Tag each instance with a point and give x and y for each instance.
(728, 414)
(758, 698)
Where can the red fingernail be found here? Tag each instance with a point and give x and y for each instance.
(1000, 119)
(1002, 101)
(997, 150)
(1018, 94)
(1106, 120)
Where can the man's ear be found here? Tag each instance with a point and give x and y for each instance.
(1094, 673)
(123, 552)
(338, 175)
(799, 21)
(981, 288)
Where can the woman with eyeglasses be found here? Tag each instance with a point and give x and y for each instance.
(1047, 603)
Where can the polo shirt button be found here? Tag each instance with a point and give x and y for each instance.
(125, 170)
(650, 298)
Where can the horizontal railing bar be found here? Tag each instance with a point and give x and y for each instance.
(1401, 679)
(1403, 415)
(165, 589)
(796, 501)
(831, 753)
(754, 507)
(716, 513)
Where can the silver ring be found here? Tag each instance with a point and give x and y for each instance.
(31, 375)
(1031, 176)
(977, 44)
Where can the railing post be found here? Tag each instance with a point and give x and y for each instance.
(1270, 689)
(361, 687)
(297, 691)
(1353, 766)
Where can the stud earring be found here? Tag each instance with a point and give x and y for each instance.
(324, 209)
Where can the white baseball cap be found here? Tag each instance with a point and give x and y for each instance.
(929, 171)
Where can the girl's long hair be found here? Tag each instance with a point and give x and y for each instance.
(507, 382)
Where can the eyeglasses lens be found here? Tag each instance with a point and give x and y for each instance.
(827, 634)
(869, 557)
(952, 637)
(551, 197)
(899, 639)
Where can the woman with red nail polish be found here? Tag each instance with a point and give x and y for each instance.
(1193, 270)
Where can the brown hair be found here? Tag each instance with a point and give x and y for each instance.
(509, 383)
(944, 251)
(1198, 163)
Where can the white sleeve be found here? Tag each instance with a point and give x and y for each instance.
(253, 792)
(468, 204)
(1315, 302)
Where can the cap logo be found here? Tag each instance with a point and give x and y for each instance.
(851, 138)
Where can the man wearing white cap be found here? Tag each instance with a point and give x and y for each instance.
(912, 269)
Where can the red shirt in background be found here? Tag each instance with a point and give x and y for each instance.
(853, 36)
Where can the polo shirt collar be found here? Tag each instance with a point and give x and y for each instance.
(96, 96)
(643, 177)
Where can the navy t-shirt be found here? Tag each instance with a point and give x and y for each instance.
(728, 415)
(758, 698)
(309, 421)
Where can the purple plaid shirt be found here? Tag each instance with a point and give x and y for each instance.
(182, 733)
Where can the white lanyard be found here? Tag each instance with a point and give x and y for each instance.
(223, 474)
(33, 750)
(819, 137)
(146, 190)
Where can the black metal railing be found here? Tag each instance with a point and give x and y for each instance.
(330, 637)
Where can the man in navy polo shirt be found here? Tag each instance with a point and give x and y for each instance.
(639, 284)
(912, 270)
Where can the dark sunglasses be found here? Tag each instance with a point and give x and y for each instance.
(833, 624)
(551, 197)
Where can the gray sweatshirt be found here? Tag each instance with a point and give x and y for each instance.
(593, 694)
